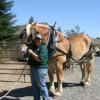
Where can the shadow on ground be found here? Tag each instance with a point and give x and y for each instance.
(27, 91)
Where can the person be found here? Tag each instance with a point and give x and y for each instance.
(38, 61)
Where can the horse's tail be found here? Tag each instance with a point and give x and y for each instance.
(92, 50)
(92, 46)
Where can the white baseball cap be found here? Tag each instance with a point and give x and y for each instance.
(39, 36)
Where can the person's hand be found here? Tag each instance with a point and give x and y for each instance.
(34, 55)
(30, 51)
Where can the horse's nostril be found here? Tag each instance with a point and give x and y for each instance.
(23, 54)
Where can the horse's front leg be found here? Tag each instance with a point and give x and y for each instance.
(51, 78)
(59, 71)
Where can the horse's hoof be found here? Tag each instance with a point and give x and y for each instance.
(52, 92)
(86, 84)
(58, 93)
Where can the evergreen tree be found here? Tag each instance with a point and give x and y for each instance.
(6, 19)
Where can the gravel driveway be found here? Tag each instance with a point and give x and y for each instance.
(72, 89)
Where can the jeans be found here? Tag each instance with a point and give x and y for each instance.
(38, 83)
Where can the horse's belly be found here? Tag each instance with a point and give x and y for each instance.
(52, 63)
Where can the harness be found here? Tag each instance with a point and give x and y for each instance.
(69, 58)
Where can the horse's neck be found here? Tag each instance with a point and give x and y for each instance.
(59, 36)
(63, 42)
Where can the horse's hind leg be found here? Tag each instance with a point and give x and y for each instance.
(89, 68)
(82, 67)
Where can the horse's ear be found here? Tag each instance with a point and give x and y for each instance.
(33, 23)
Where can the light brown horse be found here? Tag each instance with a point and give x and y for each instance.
(77, 49)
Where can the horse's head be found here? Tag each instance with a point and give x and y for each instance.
(30, 31)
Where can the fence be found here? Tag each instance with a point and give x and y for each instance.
(10, 51)
(11, 62)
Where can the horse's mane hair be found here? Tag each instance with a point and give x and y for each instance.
(43, 25)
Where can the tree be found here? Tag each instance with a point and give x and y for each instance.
(77, 28)
(6, 19)
(59, 29)
(74, 31)
(31, 19)
(45, 23)
(97, 37)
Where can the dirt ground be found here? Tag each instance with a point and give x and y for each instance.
(71, 87)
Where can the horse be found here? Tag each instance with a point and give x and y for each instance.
(63, 51)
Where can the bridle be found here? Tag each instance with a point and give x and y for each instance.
(25, 39)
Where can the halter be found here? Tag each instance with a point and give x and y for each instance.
(33, 35)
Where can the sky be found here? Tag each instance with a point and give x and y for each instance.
(67, 13)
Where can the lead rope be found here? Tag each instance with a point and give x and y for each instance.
(14, 84)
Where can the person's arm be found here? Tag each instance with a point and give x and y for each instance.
(34, 55)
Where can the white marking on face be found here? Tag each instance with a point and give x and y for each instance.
(28, 29)
(24, 49)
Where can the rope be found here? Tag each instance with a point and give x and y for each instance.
(14, 84)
